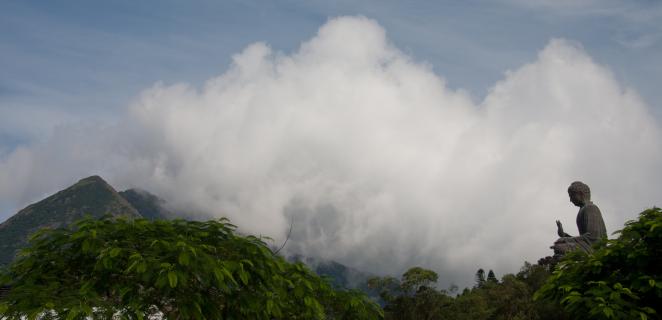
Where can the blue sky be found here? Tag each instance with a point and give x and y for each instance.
(67, 61)
(432, 133)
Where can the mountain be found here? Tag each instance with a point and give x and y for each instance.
(95, 197)
(91, 196)
(341, 276)
(148, 205)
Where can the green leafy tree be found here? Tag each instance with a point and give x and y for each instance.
(622, 279)
(411, 297)
(180, 269)
(467, 306)
(416, 278)
(535, 276)
(510, 298)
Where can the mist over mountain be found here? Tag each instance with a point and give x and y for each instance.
(95, 197)
(378, 162)
(148, 205)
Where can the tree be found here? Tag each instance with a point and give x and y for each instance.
(621, 279)
(480, 278)
(416, 278)
(535, 276)
(491, 277)
(510, 299)
(412, 297)
(180, 269)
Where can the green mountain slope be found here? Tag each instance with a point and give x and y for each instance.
(91, 196)
(341, 275)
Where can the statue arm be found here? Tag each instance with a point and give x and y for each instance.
(559, 230)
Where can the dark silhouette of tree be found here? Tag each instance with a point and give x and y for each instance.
(480, 278)
(491, 277)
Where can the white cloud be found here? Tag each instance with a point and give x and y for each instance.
(380, 165)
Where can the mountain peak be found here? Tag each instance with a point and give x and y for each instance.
(91, 179)
(89, 196)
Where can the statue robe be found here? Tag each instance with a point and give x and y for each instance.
(591, 229)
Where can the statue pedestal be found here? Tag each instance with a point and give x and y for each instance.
(564, 245)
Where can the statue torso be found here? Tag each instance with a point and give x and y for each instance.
(590, 223)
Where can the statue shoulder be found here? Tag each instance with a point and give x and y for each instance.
(590, 208)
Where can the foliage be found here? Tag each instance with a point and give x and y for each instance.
(416, 278)
(621, 279)
(180, 269)
(413, 297)
(535, 276)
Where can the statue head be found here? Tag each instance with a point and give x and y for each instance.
(579, 193)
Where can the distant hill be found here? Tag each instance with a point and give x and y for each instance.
(91, 196)
(148, 205)
(341, 276)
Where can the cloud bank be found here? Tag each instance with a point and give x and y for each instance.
(377, 162)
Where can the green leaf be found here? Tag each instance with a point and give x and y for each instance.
(649, 310)
(270, 306)
(86, 245)
(124, 291)
(183, 258)
(243, 276)
(72, 314)
(248, 262)
(218, 274)
(142, 267)
(172, 279)
(115, 252)
(131, 266)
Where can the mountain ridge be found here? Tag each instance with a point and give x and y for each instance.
(89, 196)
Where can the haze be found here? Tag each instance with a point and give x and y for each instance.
(381, 164)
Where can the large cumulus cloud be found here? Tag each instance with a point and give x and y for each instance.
(377, 162)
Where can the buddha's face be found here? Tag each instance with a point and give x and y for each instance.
(577, 198)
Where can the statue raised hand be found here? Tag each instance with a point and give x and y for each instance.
(559, 230)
